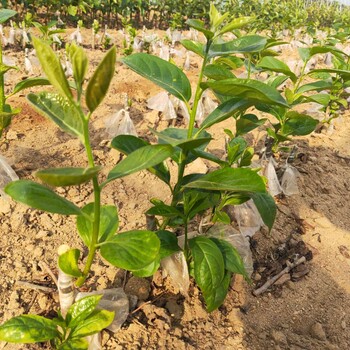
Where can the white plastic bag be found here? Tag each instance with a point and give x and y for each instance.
(274, 186)
(289, 181)
(120, 124)
(7, 174)
(158, 102)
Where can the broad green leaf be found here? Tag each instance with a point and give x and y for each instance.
(81, 310)
(60, 110)
(199, 25)
(196, 201)
(315, 86)
(217, 72)
(275, 65)
(214, 298)
(298, 124)
(74, 344)
(248, 122)
(224, 111)
(322, 99)
(249, 89)
(209, 267)
(230, 179)
(28, 83)
(132, 250)
(231, 62)
(232, 259)
(67, 176)
(345, 74)
(40, 197)
(109, 223)
(68, 262)
(6, 14)
(143, 158)
(244, 44)
(28, 329)
(266, 207)
(99, 83)
(163, 73)
(276, 81)
(52, 67)
(236, 23)
(129, 143)
(307, 52)
(162, 209)
(149, 270)
(194, 46)
(95, 323)
(168, 243)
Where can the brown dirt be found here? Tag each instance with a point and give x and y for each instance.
(307, 313)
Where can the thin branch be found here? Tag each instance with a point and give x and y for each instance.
(30, 285)
(45, 267)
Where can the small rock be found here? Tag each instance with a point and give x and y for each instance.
(174, 309)
(317, 331)
(5, 207)
(257, 277)
(278, 337)
(11, 135)
(139, 287)
(291, 285)
(343, 325)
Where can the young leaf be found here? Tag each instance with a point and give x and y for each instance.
(81, 310)
(40, 197)
(298, 124)
(209, 267)
(168, 243)
(28, 83)
(74, 344)
(99, 82)
(162, 209)
(249, 89)
(266, 207)
(68, 262)
(315, 86)
(230, 179)
(199, 25)
(67, 176)
(217, 72)
(132, 250)
(275, 65)
(194, 46)
(79, 62)
(95, 323)
(164, 74)
(236, 23)
(52, 68)
(28, 329)
(6, 14)
(60, 110)
(109, 223)
(248, 122)
(143, 158)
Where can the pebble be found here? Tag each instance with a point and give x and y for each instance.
(139, 287)
(343, 325)
(317, 331)
(11, 135)
(278, 337)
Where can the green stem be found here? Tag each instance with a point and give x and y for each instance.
(2, 85)
(97, 210)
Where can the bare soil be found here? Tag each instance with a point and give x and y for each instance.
(309, 311)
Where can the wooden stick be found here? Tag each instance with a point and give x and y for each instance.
(35, 286)
(272, 280)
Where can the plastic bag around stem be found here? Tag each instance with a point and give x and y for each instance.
(7, 174)
(120, 124)
(289, 181)
(274, 186)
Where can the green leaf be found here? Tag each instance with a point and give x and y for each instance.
(6, 14)
(298, 124)
(109, 223)
(40, 197)
(143, 158)
(307, 52)
(244, 44)
(74, 344)
(217, 72)
(132, 250)
(129, 143)
(230, 179)
(199, 25)
(163, 73)
(28, 83)
(236, 23)
(315, 86)
(231, 62)
(52, 67)
(60, 110)
(249, 89)
(162, 209)
(81, 310)
(345, 74)
(68, 262)
(95, 323)
(28, 329)
(209, 267)
(247, 123)
(209, 156)
(79, 63)
(168, 243)
(266, 207)
(67, 176)
(232, 259)
(149, 270)
(100, 81)
(224, 111)
(322, 99)
(197, 48)
(222, 217)
(275, 65)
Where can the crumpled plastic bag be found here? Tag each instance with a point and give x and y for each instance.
(158, 102)
(120, 124)
(7, 174)
(248, 218)
(274, 186)
(205, 106)
(289, 181)
(241, 243)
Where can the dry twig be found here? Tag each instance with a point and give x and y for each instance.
(35, 286)
(45, 267)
